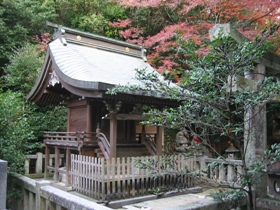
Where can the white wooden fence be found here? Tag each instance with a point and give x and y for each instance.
(119, 178)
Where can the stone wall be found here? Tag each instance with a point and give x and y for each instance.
(40, 194)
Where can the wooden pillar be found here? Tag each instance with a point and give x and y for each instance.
(143, 134)
(68, 119)
(89, 119)
(47, 161)
(113, 109)
(113, 135)
(160, 139)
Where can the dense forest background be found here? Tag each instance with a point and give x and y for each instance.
(160, 25)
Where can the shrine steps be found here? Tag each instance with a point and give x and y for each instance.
(126, 151)
(132, 151)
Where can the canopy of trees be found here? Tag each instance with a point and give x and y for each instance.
(156, 24)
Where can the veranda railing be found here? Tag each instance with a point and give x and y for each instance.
(119, 178)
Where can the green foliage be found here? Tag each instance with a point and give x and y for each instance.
(14, 190)
(157, 167)
(20, 20)
(153, 19)
(113, 11)
(15, 130)
(22, 125)
(24, 67)
(97, 24)
(231, 197)
(91, 15)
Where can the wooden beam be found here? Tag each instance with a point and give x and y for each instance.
(64, 143)
(128, 117)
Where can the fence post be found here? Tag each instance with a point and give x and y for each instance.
(221, 172)
(230, 173)
(39, 204)
(39, 163)
(26, 166)
(202, 163)
(3, 183)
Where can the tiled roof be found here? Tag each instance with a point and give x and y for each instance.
(86, 65)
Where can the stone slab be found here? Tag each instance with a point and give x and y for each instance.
(69, 201)
(3, 183)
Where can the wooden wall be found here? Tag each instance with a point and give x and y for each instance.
(84, 115)
(77, 116)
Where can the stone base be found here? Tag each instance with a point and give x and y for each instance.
(268, 203)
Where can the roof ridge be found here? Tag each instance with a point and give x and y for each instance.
(75, 36)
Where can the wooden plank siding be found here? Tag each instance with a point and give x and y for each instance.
(118, 178)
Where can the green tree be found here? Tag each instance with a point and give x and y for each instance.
(22, 126)
(23, 123)
(211, 106)
(20, 20)
(15, 129)
(90, 15)
(23, 70)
